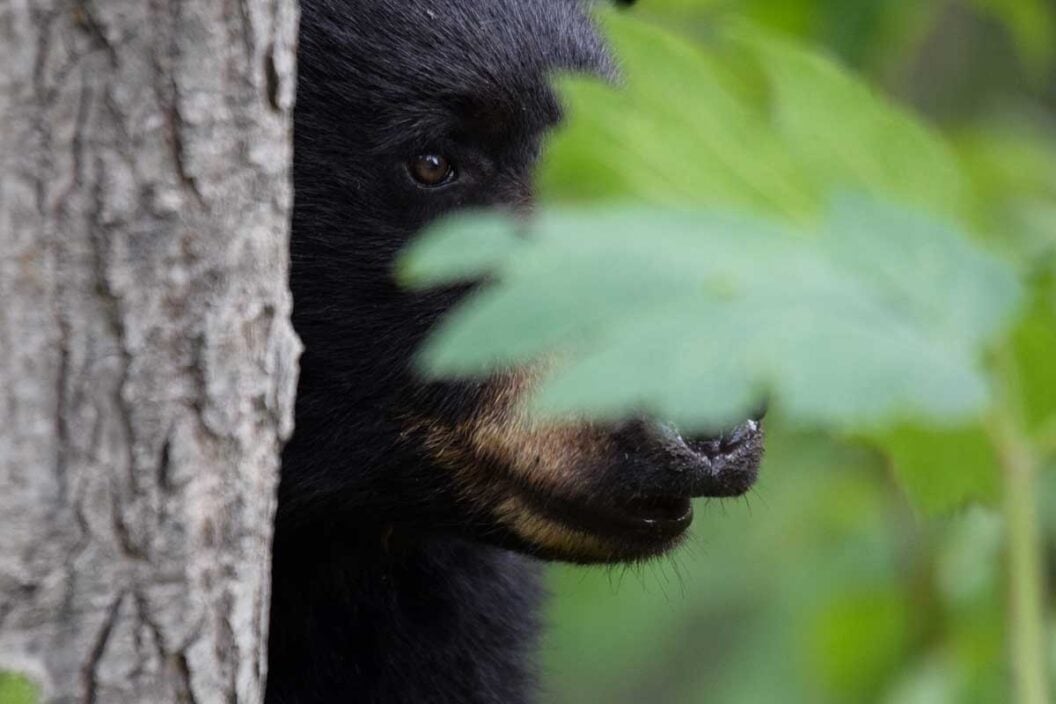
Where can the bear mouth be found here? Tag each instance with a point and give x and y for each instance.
(648, 519)
(652, 521)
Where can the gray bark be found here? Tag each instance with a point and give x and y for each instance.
(147, 362)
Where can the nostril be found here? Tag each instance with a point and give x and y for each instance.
(643, 434)
(732, 439)
(727, 441)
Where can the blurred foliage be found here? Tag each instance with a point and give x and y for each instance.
(1032, 26)
(871, 564)
(752, 129)
(879, 314)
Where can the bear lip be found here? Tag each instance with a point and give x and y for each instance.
(647, 518)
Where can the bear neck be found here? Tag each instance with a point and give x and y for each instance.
(368, 614)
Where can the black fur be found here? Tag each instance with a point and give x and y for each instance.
(379, 592)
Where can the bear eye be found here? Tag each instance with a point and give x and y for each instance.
(431, 170)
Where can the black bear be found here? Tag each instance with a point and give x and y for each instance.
(412, 515)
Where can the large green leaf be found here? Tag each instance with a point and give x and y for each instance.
(879, 314)
(844, 134)
(744, 120)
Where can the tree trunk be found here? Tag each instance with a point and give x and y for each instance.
(147, 362)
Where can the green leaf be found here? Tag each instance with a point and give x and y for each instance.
(1034, 345)
(461, 248)
(746, 121)
(667, 140)
(692, 315)
(16, 689)
(845, 135)
(943, 469)
(908, 255)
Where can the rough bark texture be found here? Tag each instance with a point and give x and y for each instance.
(147, 362)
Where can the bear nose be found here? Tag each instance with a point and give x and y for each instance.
(671, 464)
(732, 439)
(645, 430)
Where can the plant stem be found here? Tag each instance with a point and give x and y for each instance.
(1028, 624)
